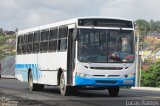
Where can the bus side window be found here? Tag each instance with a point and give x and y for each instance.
(24, 44)
(62, 44)
(19, 46)
(62, 38)
(53, 40)
(44, 41)
(36, 40)
(29, 43)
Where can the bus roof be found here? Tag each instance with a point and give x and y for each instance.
(66, 22)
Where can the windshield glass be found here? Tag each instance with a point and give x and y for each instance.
(105, 45)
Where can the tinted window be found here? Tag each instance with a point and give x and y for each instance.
(36, 40)
(63, 31)
(19, 40)
(19, 46)
(44, 41)
(36, 47)
(105, 23)
(44, 46)
(62, 44)
(53, 34)
(62, 38)
(36, 36)
(24, 48)
(24, 38)
(104, 45)
(53, 45)
(29, 48)
(29, 43)
(30, 38)
(44, 35)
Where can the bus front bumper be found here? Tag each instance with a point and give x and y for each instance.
(104, 82)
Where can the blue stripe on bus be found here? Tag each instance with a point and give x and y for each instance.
(20, 66)
(26, 65)
(81, 81)
(22, 69)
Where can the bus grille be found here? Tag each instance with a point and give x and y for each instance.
(107, 68)
(105, 82)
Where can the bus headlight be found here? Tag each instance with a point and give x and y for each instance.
(83, 75)
(129, 75)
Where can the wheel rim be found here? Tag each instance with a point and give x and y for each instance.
(62, 84)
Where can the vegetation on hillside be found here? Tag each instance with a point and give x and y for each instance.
(149, 28)
(151, 77)
(7, 46)
(146, 27)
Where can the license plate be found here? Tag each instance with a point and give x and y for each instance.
(127, 81)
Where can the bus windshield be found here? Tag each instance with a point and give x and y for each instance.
(105, 46)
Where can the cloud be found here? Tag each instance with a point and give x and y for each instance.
(133, 9)
(24, 14)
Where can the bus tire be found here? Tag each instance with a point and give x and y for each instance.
(40, 87)
(64, 90)
(75, 91)
(113, 91)
(32, 86)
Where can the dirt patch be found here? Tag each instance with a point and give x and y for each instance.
(10, 100)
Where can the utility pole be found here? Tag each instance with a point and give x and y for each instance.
(140, 65)
(137, 59)
(0, 71)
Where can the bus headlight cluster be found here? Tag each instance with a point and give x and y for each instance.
(83, 75)
(129, 75)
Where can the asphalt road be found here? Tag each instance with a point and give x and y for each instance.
(51, 96)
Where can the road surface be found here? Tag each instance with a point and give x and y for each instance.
(16, 93)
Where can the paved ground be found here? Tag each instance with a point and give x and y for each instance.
(16, 93)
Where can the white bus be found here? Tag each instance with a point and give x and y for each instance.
(82, 53)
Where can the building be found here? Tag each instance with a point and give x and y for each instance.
(153, 35)
(157, 55)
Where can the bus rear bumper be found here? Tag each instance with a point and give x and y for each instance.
(104, 82)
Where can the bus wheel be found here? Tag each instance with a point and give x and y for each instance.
(63, 88)
(113, 91)
(40, 87)
(74, 90)
(32, 86)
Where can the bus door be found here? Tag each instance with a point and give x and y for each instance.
(70, 56)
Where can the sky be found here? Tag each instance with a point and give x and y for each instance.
(23, 14)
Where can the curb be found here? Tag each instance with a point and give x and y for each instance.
(146, 88)
(7, 77)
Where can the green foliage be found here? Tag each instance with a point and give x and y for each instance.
(155, 26)
(143, 26)
(3, 39)
(6, 48)
(151, 77)
(151, 28)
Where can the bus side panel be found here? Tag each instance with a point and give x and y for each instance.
(48, 64)
(23, 64)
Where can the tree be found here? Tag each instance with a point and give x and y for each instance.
(155, 26)
(1, 31)
(143, 26)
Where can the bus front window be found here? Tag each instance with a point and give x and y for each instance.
(102, 45)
